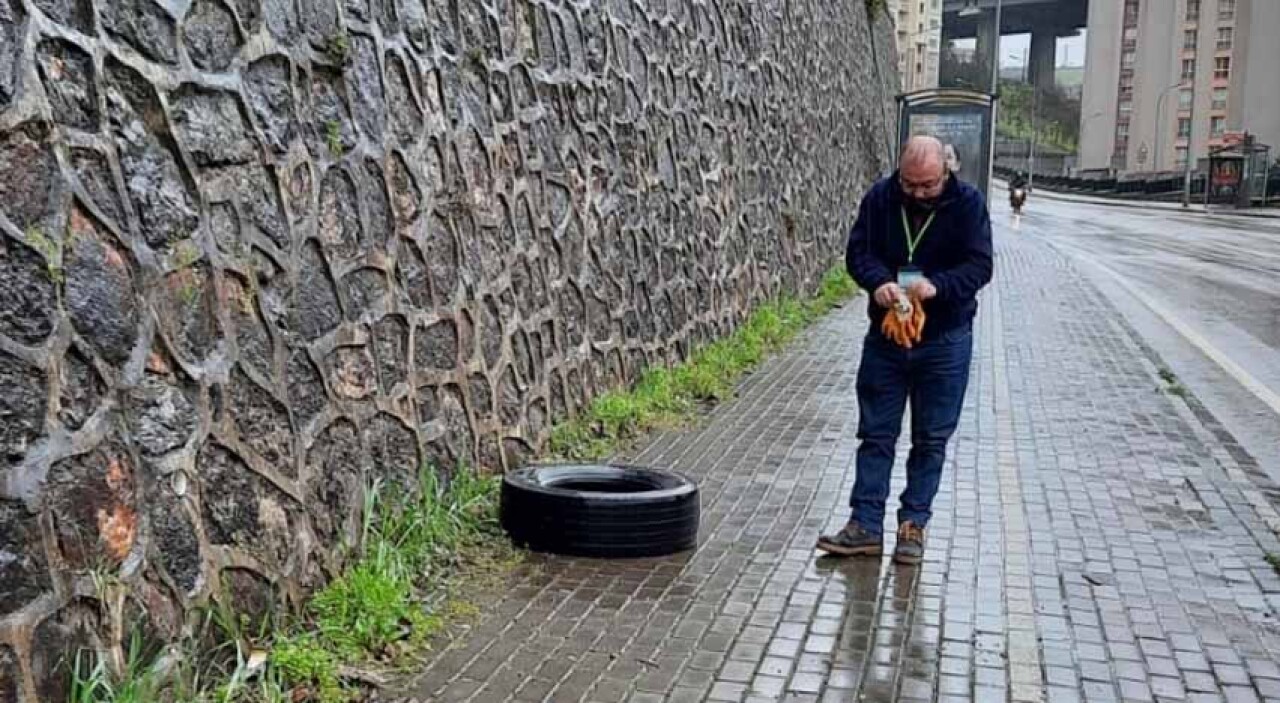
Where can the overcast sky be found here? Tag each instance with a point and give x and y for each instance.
(1070, 49)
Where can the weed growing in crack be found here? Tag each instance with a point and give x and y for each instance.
(50, 250)
(338, 47)
(333, 138)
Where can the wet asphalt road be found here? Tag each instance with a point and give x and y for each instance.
(1214, 276)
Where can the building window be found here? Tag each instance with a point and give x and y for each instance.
(1193, 10)
(1219, 99)
(1126, 59)
(1126, 92)
(1222, 68)
(1181, 156)
(1184, 128)
(1189, 40)
(1184, 100)
(1217, 125)
(1122, 130)
(1131, 12)
(1226, 9)
(1126, 105)
(1224, 38)
(1188, 69)
(1131, 34)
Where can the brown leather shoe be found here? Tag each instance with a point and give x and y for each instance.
(852, 541)
(910, 547)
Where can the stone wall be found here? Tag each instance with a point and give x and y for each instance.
(258, 252)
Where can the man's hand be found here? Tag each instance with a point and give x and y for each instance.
(887, 294)
(923, 289)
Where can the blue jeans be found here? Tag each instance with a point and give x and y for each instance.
(935, 377)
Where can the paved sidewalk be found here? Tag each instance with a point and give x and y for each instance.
(1095, 539)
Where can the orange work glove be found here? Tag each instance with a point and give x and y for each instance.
(917, 320)
(904, 323)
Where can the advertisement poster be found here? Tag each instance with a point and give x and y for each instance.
(962, 133)
(1225, 178)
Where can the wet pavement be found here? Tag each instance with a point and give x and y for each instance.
(1096, 538)
(1214, 278)
(1218, 271)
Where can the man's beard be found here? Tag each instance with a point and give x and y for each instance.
(921, 205)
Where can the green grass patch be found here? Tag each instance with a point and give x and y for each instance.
(667, 397)
(422, 554)
(377, 610)
(1274, 560)
(92, 680)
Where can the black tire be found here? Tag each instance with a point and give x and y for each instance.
(594, 510)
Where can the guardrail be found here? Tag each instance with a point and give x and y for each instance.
(1158, 188)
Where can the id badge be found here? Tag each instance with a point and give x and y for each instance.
(908, 275)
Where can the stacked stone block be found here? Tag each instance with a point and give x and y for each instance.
(258, 253)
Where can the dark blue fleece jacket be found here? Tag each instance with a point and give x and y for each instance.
(955, 253)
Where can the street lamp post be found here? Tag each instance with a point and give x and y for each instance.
(1031, 172)
(995, 54)
(1031, 149)
(1159, 108)
(1035, 94)
(1191, 142)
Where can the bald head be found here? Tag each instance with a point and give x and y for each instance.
(923, 167)
(923, 151)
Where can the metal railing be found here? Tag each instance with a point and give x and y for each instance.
(1163, 187)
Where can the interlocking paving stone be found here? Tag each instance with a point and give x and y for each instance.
(1094, 539)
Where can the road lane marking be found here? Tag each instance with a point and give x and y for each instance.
(1269, 397)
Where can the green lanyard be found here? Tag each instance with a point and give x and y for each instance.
(913, 242)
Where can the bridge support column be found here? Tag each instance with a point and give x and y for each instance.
(1044, 50)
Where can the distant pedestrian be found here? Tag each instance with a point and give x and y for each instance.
(952, 160)
(922, 245)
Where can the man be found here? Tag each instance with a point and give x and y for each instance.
(923, 237)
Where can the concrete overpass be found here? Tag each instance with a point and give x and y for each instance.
(1044, 20)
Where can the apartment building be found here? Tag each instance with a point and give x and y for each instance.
(919, 32)
(1168, 80)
